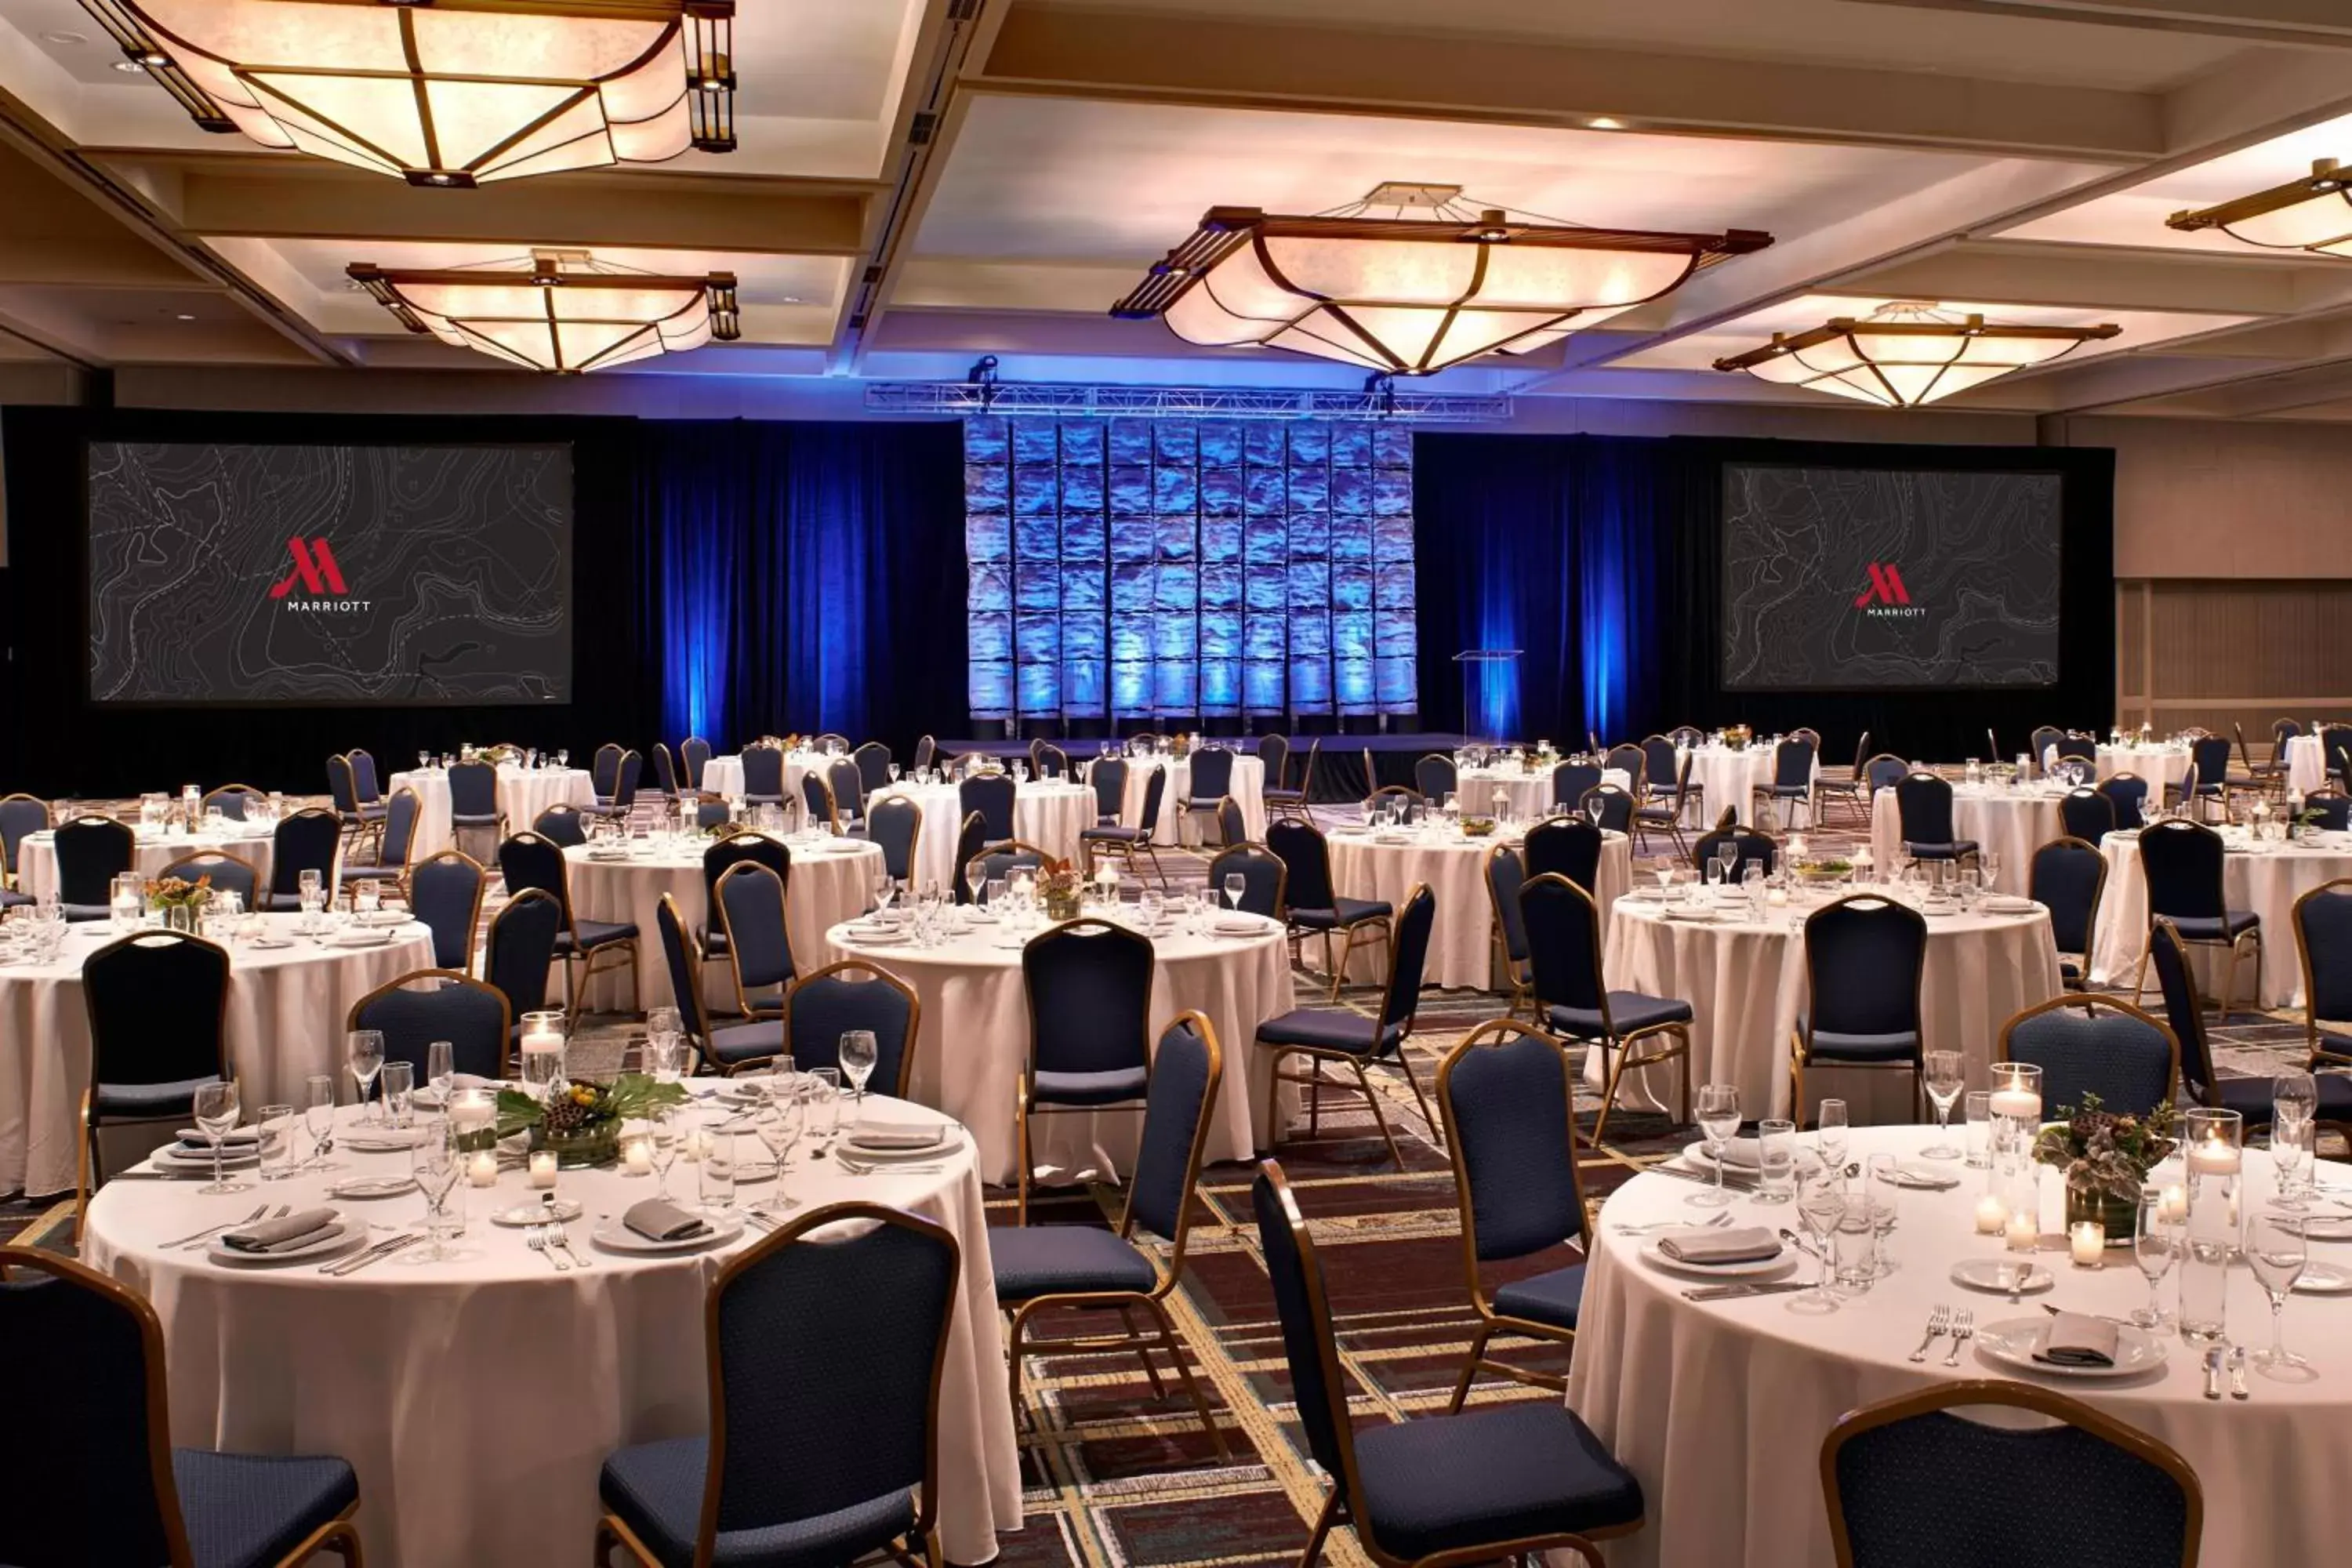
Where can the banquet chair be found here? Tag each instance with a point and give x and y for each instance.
(1865, 957)
(665, 771)
(1634, 764)
(813, 1455)
(693, 756)
(724, 854)
(519, 949)
(820, 1007)
(1435, 778)
(1689, 737)
(2323, 941)
(848, 793)
(364, 788)
(20, 814)
(227, 873)
(1311, 906)
(157, 1003)
(560, 824)
(971, 840)
(1348, 1039)
(1124, 844)
(1571, 781)
(1046, 760)
(873, 759)
(1750, 847)
(1208, 779)
(2329, 809)
(1509, 1099)
(720, 1044)
(711, 811)
(1810, 735)
(529, 860)
(1883, 771)
(444, 891)
(305, 841)
(472, 1014)
(997, 862)
(1565, 847)
(2206, 780)
(232, 800)
(1088, 984)
(991, 796)
(1664, 809)
(1923, 807)
(1852, 788)
(394, 847)
(1108, 777)
(896, 827)
(926, 752)
(1660, 765)
(830, 742)
(2078, 748)
(2269, 777)
(617, 802)
(344, 794)
(1291, 803)
(2096, 1044)
(1233, 827)
(1496, 1484)
(474, 800)
(1274, 756)
(2042, 744)
(2088, 1491)
(2128, 793)
(750, 906)
(1260, 872)
(1084, 1268)
(1993, 745)
(1573, 1003)
(2085, 814)
(1505, 874)
(605, 770)
(1616, 806)
(2182, 864)
(1792, 778)
(763, 775)
(103, 1483)
(2068, 877)
(1388, 797)
(817, 804)
(91, 851)
(1371, 773)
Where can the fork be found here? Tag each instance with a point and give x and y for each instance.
(1964, 1328)
(1720, 1218)
(1938, 1321)
(258, 1214)
(537, 1242)
(259, 1210)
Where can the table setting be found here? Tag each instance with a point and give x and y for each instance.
(2163, 763)
(2306, 764)
(2262, 870)
(1730, 775)
(156, 844)
(2007, 819)
(1246, 786)
(1047, 813)
(526, 786)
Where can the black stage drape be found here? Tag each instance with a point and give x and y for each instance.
(1600, 557)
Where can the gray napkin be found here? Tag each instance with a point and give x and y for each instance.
(1750, 1244)
(1742, 1154)
(2075, 1340)
(658, 1219)
(282, 1235)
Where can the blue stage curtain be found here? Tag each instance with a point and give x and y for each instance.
(803, 577)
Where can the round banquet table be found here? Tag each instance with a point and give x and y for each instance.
(973, 1040)
(1746, 984)
(479, 1398)
(287, 1007)
(1732, 777)
(1247, 787)
(2009, 822)
(2306, 764)
(1528, 794)
(1719, 1409)
(723, 776)
(38, 855)
(2265, 878)
(523, 793)
(1048, 815)
(832, 881)
(1388, 866)
(2160, 763)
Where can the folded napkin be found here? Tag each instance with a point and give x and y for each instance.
(1920, 1178)
(1741, 1154)
(1239, 925)
(883, 1132)
(2073, 1340)
(234, 1139)
(1749, 1243)
(658, 1219)
(282, 1235)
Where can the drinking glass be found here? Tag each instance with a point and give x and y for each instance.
(1881, 1197)
(716, 1170)
(1832, 1133)
(1857, 1244)
(319, 1120)
(1727, 855)
(364, 1054)
(441, 1070)
(2276, 1252)
(2292, 1139)
(975, 878)
(435, 1164)
(1988, 867)
(1718, 1119)
(1776, 1161)
(1944, 1083)
(824, 1105)
(310, 884)
(1822, 1202)
(276, 1124)
(664, 1144)
(399, 1089)
(884, 886)
(1594, 807)
(1235, 886)
(2156, 1247)
(995, 898)
(858, 1051)
(215, 1119)
(1978, 1109)
(779, 1125)
(2294, 1095)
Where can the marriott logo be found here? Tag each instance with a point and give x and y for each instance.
(1884, 597)
(320, 579)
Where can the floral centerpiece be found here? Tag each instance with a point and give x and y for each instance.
(502, 755)
(1477, 826)
(1821, 870)
(181, 901)
(1058, 886)
(581, 1120)
(2106, 1157)
(1738, 736)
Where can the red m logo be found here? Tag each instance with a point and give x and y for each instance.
(315, 569)
(1886, 585)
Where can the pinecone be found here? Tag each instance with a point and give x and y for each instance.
(564, 1114)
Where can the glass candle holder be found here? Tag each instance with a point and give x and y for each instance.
(2213, 1152)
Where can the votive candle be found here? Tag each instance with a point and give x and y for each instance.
(2087, 1242)
(2025, 1232)
(1992, 1215)
(542, 1168)
(482, 1169)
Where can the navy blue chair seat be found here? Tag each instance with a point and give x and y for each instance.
(655, 1489)
(1112, 1087)
(148, 1099)
(1442, 1483)
(2228, 924)
(1556, 1298)
(734, 1043)
(1065, 1259)
(10, 898)
(1629, 1010)
(1956, 849)
(474, 818)
(596, 934)
(1345, 912)
(249, 1510)
(1332, 1029)
(92, 912)
(1832, 1044)
(2070, 971)
(1113, 834)
(2250, 1097)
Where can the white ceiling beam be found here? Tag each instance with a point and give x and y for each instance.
(2021, 272)
(2312, 24)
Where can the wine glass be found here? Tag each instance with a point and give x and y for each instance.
(436, 1164)
(858, 1051)
(364, 1054)
(319, 1120)
(1728, 853)
(1944, 1082)
(975, 878)
(664, 1141)
(1880, 1194)
(884, 887)
(2292, 1139)
(1832, 1133)
(1235, 886)
(1594, 807)
(215, 1117)
(1822, 1203)
(779, 1126)
(2155, 1245)
(1988, 867)
(1718, 1119)
(441, 1070)
(2276, 1252)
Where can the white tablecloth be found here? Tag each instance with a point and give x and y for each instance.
(975, 1039)
(1746, 984)
(1719, 1409)
(2160, 763)
(477, 1398)
(287, 1007)
(2306, 764)
(1462, 938)
(37, 866)
(1247, 786)
(1529, 794)
(828, 885)
(1732, 778)
(2267, 878)
(1050, 815)
(2011, 824)
(523, 793)
(724, 776)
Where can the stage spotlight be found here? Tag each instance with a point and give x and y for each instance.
(982, 375)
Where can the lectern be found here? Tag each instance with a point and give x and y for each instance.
(1490, 692)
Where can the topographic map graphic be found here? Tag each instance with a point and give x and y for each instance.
(330, 574)
(1840, 578)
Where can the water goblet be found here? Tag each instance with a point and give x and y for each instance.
(435, 1164)
(1831, 1134)
(857, 1053)
(1235, 886)
(1821, 1205)
(2156, 1246)
(1944, 1082)
(364, 1054)
(319, 1120)
(1718, 1119)
(2276, 1252)
(441, 1070)
(216, 1113)
(664, 1140)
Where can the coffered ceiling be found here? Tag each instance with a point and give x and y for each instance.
(922, 181)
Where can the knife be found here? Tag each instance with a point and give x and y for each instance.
(354, 1264)
(1736, 1292)
(1731, 1183)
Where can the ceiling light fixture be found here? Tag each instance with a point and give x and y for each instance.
(445, 93)
(1371, 286)
(559, 311)
(2313, 214)
(1904, 355)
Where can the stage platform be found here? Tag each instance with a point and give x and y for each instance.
(1339, 774)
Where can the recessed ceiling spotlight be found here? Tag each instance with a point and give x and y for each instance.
(1604, 122)
(69, 41)
(183, 315)
(133, 67)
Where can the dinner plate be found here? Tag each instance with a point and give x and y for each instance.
(2323, 1279)
(1652, 1255)
(2013, 1341)
(2324, 1227)
(876, 938)
(364, 1187)
(1696, 916)
(271, 943)
(380, 1139)
(191, 1161)
(539, 1213)
(1992, 1274)
(344, 1237)
(361, 939)
(615, 1237)
(192, 1139)
(944, 1142)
